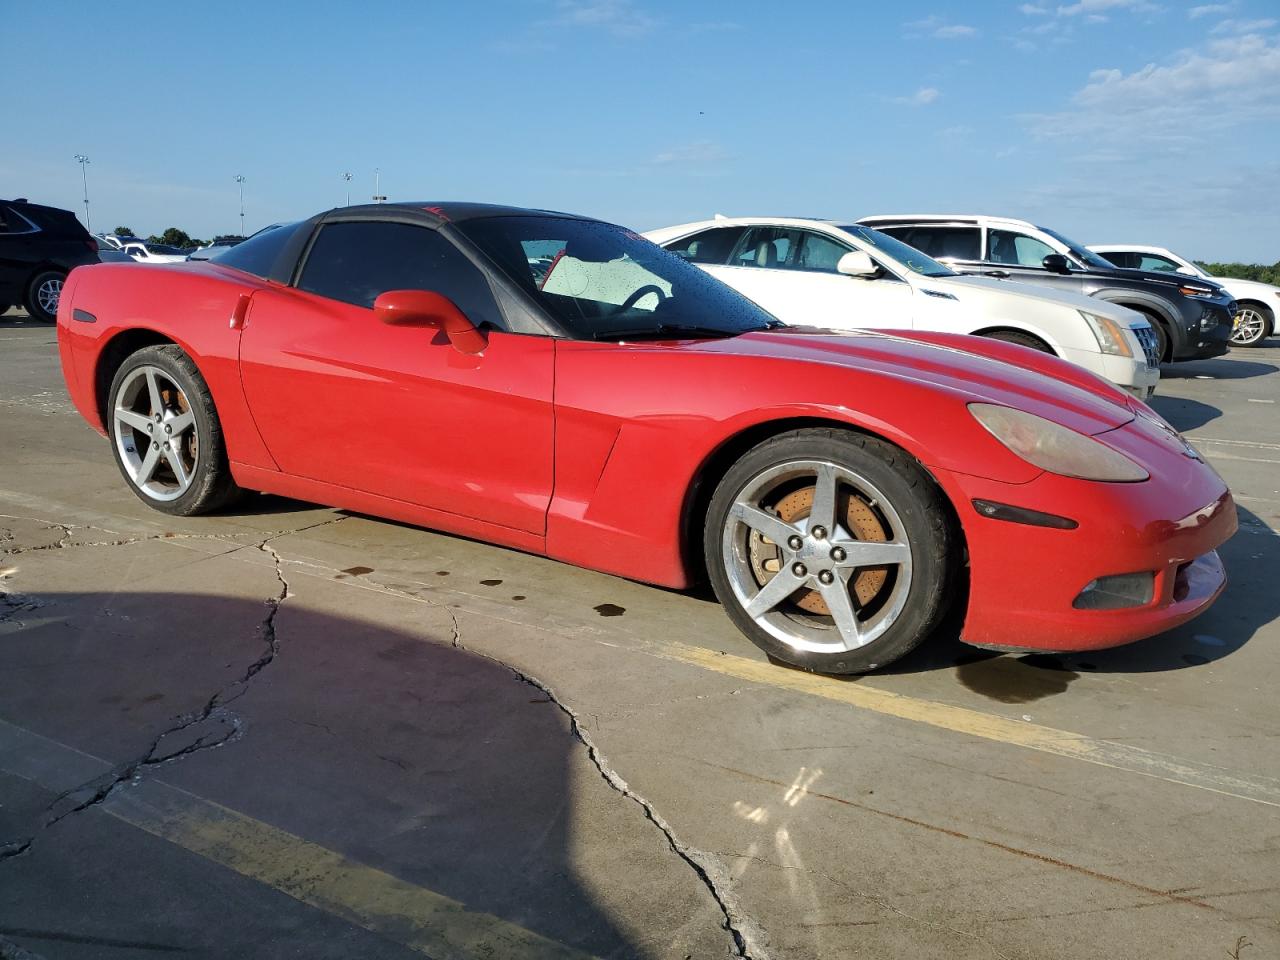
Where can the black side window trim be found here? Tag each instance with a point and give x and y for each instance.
(500, 302)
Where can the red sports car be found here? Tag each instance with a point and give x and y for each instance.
(562, 386)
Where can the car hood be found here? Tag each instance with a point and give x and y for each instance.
(1247, 288)
(1027, 291)
(958, 365)
(1170, 280)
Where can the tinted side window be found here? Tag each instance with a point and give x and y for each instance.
(258, 254)
(707, 246)
(820, 253)
(1016, 249)
(766, 247)
(354, 262)
(1129, 261)
(1151, 261)
(941, 243)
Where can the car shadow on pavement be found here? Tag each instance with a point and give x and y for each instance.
(349, 746)
(1184, 414)
(1219, 368)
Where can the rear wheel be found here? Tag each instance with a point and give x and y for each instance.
(1020, 338)
(165, 433)
(830, 550)
(43, 294)
(1254, 323)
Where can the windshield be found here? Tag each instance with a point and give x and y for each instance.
(604, 282)
(909, 257)
(1079, 251)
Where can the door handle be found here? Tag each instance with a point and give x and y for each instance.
(998, 274)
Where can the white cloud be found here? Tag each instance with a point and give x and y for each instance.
(1095, 7)
(1033, 10)
(922, 97)
(1208, 9)
(700, 153)
(939, 28)
(1228, 84)
(619, 17)
(1243, 26)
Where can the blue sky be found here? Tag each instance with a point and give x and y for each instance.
(1109, 120)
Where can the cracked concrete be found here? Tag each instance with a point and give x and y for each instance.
(463, 719)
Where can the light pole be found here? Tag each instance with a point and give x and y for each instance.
(82, 159)
(240, 180)
(377, 185)
(347, 177)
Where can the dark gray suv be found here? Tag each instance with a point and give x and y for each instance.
(1192, 317)
(39, 246)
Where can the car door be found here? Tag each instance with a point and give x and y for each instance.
(1020, 256)
(397, 411)
(834, 299)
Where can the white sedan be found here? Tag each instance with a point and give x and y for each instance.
(821, 273)
(1258, 301)
(145, 252)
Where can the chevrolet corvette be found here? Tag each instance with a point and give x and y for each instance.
(560, 385)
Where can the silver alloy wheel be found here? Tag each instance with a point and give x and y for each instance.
(1250, 326)
(48, 294)
(154, 432)
(816, 553)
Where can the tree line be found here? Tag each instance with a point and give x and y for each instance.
(172, 237)
(1244, 271)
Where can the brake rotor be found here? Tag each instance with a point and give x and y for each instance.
(859, 519)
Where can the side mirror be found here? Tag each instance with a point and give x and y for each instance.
(856, 263)
(1056, 263)
(426, 308)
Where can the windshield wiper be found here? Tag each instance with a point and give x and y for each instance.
(664, 331)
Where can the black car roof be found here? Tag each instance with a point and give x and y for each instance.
(455, 211)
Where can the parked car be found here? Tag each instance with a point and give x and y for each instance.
(146, 252)
(211, 249)
(630, 413)
(847, 276)
(109, 241)
(1258, 302)
(39, 246)
(1192, 318)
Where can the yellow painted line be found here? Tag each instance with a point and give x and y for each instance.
(421, 919)
(986, 726)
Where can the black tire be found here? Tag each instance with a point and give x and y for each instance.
(211, 485)
(924, 522)
(39, 291)
(1260, 327)
(1021, 339)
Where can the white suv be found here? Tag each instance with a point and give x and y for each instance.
(1258, 301)
(820, 273)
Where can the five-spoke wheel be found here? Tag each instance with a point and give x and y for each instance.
(830, 549)
(165, 433)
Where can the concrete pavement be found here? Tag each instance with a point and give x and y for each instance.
(291, 731)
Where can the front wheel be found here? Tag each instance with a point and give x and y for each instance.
(43, 294)
(831, 550)
(165, 433)
(1252, 326)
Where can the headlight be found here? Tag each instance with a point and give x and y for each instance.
(1055, 448)
(1109, 334)
(1203, 292)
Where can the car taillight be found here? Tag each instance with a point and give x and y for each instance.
(92, 244)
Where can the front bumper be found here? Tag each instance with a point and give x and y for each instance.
(1133, 376)
(1023, 580)
(1202, 343)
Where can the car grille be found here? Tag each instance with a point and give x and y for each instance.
(1150, 345)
